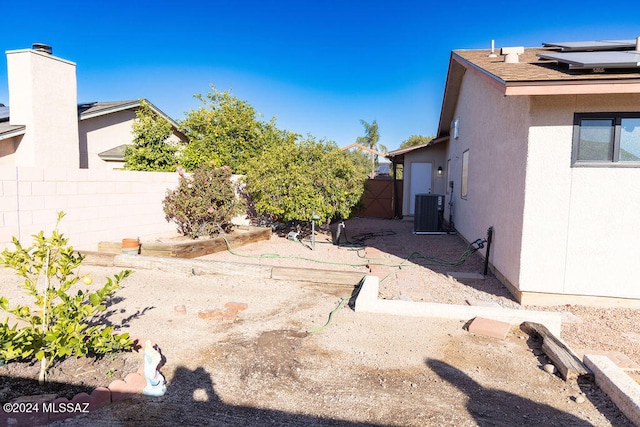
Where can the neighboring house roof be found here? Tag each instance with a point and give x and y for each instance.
(531, 75)
(115, 154)
(85, 111)
(9, 131)
(95, 109)
(398, 155)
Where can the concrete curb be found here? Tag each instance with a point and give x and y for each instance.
(619, 386)
(367, 301)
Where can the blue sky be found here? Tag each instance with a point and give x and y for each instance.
(318, 66)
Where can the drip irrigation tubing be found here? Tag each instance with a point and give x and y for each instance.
(429, 261)
(334, 311)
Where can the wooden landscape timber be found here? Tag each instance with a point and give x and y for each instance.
(318, 276)
(195, 248)
(565, 360)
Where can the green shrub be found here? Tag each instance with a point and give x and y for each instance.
(61, 324)
(293, 180)
(204, 203)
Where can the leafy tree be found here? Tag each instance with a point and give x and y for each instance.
(293, 180)
(415, 140)
(370, 140)
(150, 150)
(226, 131)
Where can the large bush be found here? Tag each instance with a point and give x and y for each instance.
(291, 181)
(204, 202)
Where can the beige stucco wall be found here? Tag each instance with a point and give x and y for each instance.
(100, 205)
(494, 129)
(99, 134)
(102, 133)
(436, 155)
(581, 225)
(42, 96)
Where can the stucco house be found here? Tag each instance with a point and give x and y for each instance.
(43, 125)
(543, 145)
(423, 172)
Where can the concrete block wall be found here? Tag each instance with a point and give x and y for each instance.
(100, 205)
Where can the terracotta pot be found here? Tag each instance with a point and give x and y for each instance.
(130, 246)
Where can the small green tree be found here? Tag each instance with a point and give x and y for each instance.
(150, 150)
(294, 180)
(204, 203)
(225, 130)
(61, 325)
(414, 140)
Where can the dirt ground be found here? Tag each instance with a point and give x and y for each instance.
(266, 368)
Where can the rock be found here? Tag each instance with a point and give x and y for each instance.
(549, 368)
(580, 399)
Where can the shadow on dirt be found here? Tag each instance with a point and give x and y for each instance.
(495, 407)
(191, 399)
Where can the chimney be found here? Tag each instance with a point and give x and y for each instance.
(43, 98)
(41, 47)
(511, 54)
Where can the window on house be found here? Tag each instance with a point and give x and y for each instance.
(606, 139)
(464, 186)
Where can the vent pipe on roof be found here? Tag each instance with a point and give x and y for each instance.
(41, 47)
(637, 44)
(493, 50)
(511, 54)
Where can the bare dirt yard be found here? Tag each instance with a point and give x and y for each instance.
(277, 365)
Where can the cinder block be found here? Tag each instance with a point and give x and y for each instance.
(490, 328)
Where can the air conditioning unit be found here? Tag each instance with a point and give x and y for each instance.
(429, 212)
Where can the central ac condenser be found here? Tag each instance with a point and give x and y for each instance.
(429, 213)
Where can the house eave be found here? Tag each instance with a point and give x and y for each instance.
(572, 87)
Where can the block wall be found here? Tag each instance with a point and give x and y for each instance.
(100, 205)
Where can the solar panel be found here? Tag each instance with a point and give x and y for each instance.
(595, 45)
(596, 60)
